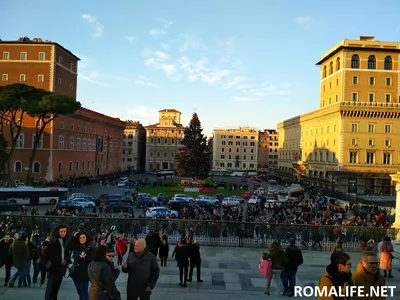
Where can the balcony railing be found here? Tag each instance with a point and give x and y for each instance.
(213, 233)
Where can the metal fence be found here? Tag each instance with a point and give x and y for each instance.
(214, 233)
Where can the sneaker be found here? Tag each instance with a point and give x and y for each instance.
(200, 280)
(11, 284)
(189, 280)
(266, 292)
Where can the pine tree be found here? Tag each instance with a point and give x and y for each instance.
(194, 157)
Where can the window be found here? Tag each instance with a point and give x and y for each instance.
(6, 55)
(387, 158)
(84, 144)
(388, 63)
(353, 157)
(370, 142)
(331, 68)
(355, 62)
(40, 78)
(372, 81)
(372, 62)
(388, 81)
(4, 77)
(370, 157)
(324, 72)
(59, 167)
(36, 167)
(388, 128)
(371, 127)
(17, 167)
(77, 165)
(71, 86)
(20, 142)
(371, 97)
(42, 56)
(354, 127)
(40, 141)
(72, 67)
(22, 77)
(70, 167)
(59, 81)
(83, 165)
(78, 143)
(338, 64)
(60, 60)
(89, 145)
(354, 97)
(71, 143)
(354, 142)
(61, 143)
(61, 125)
(23, 56)
(387, 143)
(355, 79)
(388, 98)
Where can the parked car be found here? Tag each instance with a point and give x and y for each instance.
(118, 207)
(219, 196)
(163, 198)
(9, 206)
(230, 202)
(207, 198)
(145, 201)
(178, 205)
(160, 212)
(68, 204)
(182, 196)
(205, 203)
(84, 202)
(247, 195)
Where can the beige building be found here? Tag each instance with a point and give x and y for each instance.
(352, 140)
(235, 149)
(268, 149)
(134, 147)
(163, 141)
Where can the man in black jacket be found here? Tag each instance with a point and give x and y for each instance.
(5, 256)
(182, 254)
(153, 242)
(195, 261)
(143, 272)
(294, 260)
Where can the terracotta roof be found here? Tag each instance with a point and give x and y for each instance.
(169, 110)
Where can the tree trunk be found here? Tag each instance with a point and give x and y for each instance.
(32, 156)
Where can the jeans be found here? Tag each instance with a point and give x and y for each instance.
(276, 275)
(82, 288)
(119, 260)
(28, 273)
(53, 285)
(288, 277)
(20, 275)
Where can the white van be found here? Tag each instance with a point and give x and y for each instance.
(238, 174)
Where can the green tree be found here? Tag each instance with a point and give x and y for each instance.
(15, 100)
(194, 157)
(48, 106)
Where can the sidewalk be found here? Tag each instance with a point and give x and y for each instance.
(228, 273)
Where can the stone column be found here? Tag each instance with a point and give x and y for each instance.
(396, 179)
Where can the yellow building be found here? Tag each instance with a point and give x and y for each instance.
(163, 140)
(353, 139)
(235, 149)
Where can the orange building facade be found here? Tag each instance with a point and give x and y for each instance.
(85, 143)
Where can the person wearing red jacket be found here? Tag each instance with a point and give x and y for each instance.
(120, 248)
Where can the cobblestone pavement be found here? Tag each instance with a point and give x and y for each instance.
(228, 273)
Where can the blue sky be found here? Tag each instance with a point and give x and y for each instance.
(236, 63)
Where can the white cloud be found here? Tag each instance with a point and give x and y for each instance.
(234, 81)
(96, 25)
(142, 80)
(130, 39)
(303, 21)
(242, 99)
(104, 79)
(190, 43)
(92, 79)
(160, 31)
(227, 43)
(164, 46)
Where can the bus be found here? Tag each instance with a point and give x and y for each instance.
(218, 173)
(296, 192)
(34, 196)
(165, 173)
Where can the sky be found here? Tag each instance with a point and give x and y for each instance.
(234, 62)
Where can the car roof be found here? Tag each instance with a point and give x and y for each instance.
(157, 207)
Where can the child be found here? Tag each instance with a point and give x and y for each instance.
(164, 250)
(41, 265)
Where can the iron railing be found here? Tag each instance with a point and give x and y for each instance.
(214, 233)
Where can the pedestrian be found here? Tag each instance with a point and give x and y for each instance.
(294, 259)
(82, 251)
(6, 259)
(195, 261)
(277, 256)
(182, 254)
(20, 253)
(121, 246)
(153, 241)
(386, 250)
(164, 250)
(56, 258)
(143, 272)
(102, 276)
(40, 265)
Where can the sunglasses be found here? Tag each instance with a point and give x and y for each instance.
(110, 255)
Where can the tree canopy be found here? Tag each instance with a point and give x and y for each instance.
(194, 157)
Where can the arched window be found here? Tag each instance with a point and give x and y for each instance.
(338, 64)
(324, 72)
(331, 68)
(60, 167)
(36, 167)
(355, 62)
(70, 166)
(77, 165)
(388, 63)
(371, 62)
(17, 167)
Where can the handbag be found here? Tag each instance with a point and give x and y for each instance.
(265, 267)
(109, 296)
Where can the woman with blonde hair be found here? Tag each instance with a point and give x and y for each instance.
(386, 250)
(277, 256)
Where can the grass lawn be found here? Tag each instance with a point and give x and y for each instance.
(179, 190)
